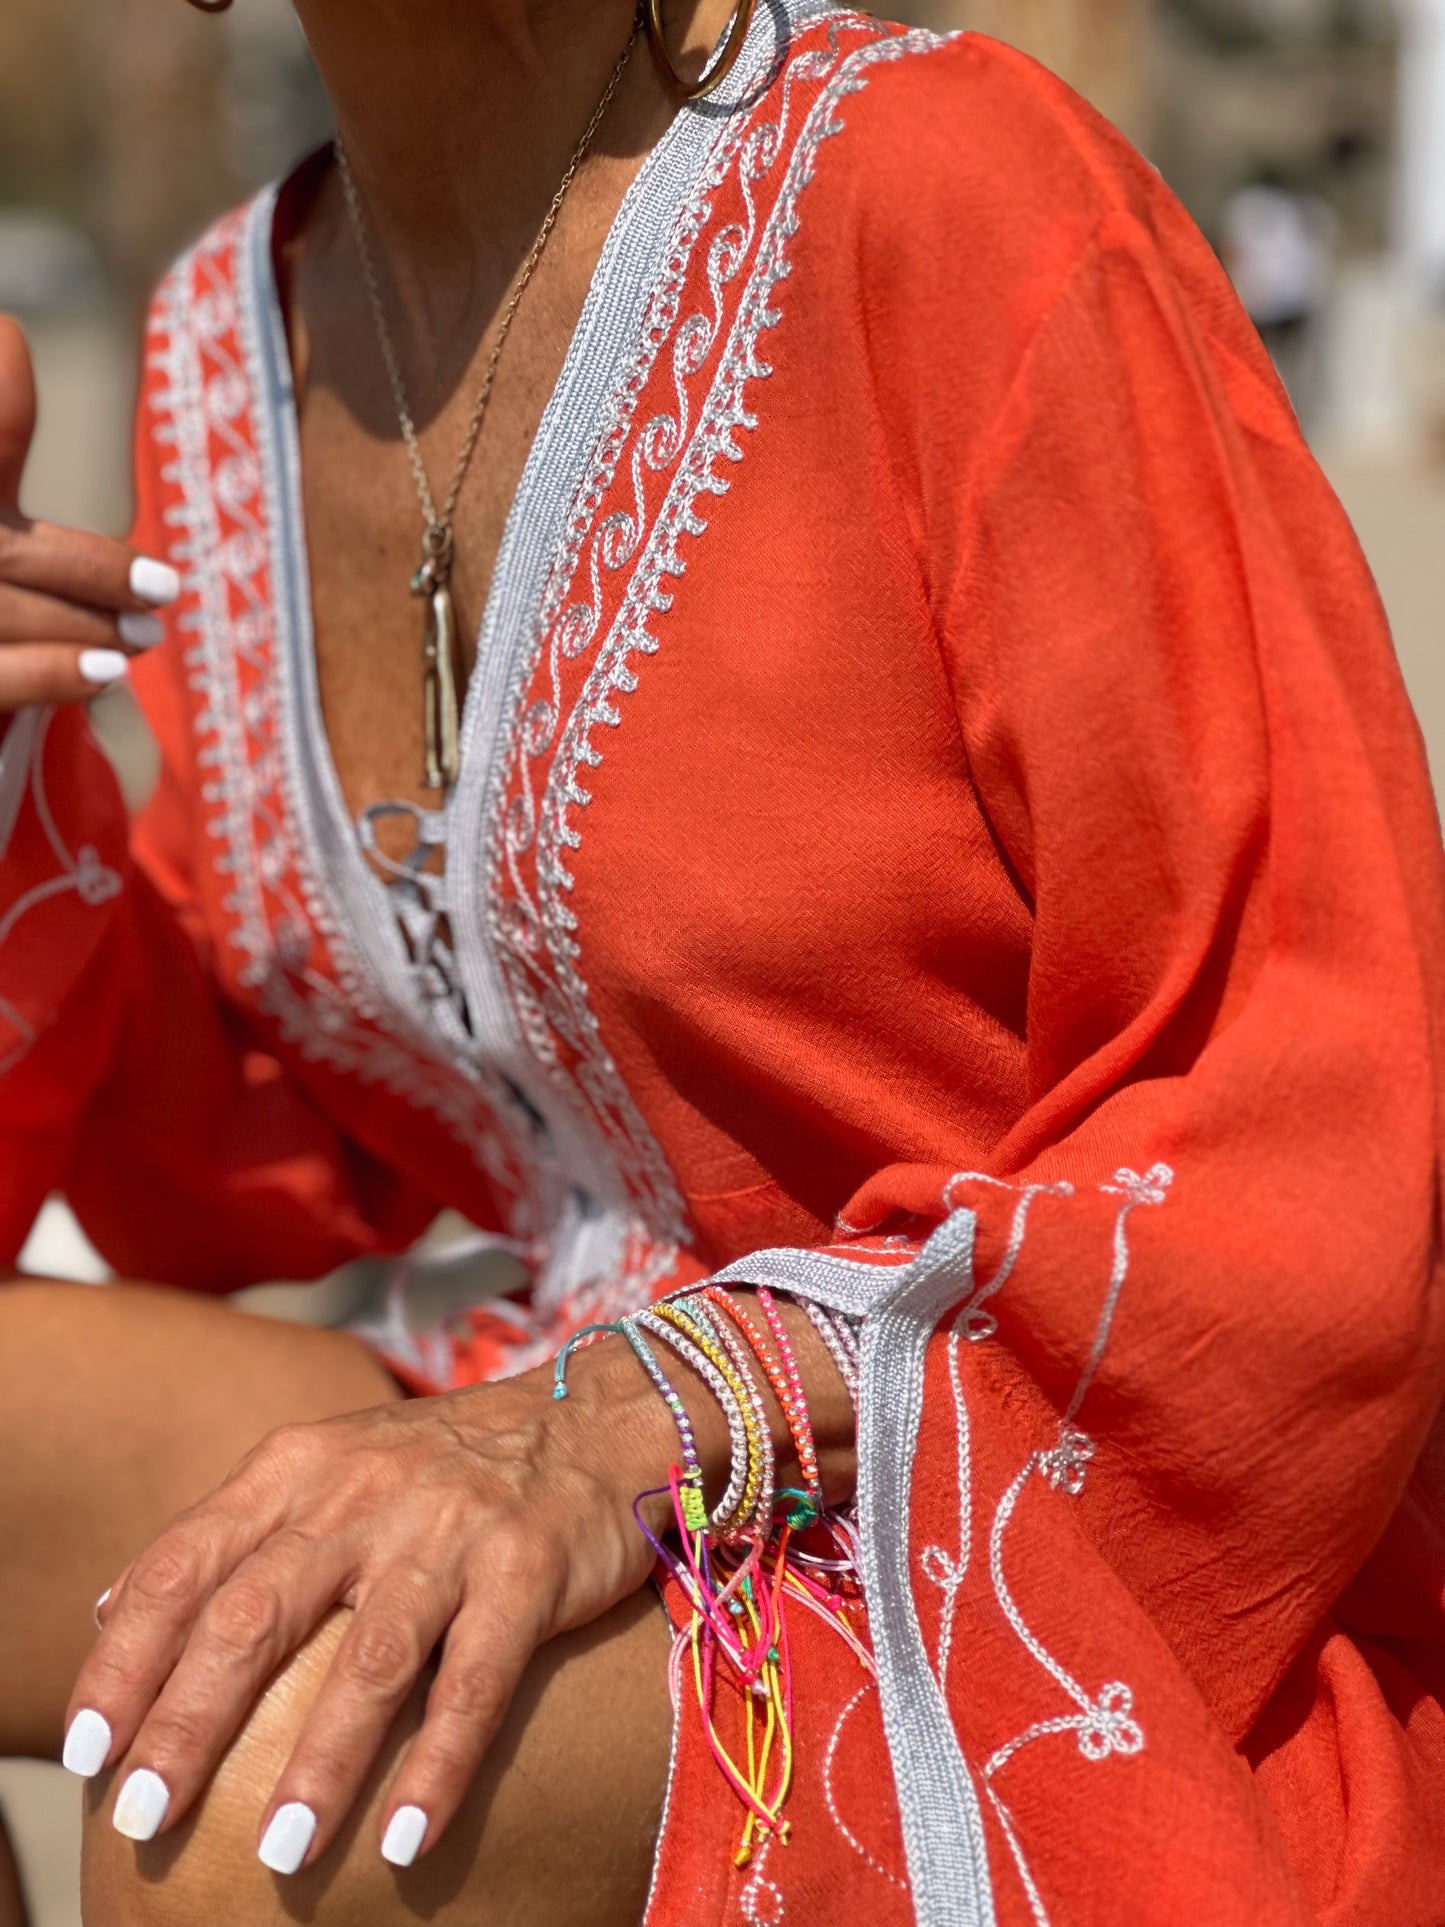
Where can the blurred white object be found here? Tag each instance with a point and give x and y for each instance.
(1370, 415)
(58, 1248)
(1420, 196)
(46, 267)
(1279, 249)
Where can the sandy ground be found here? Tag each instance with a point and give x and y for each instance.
(1398, 511)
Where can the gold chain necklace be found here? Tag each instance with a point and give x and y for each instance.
(432, 581)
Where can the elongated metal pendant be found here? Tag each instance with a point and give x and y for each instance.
(440, 706)
(439, 646)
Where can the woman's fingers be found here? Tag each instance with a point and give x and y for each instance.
(385, 1648)
(17, 408)
(57, 672)
(147, 1624)
(73, 608)
(79, 566)
(268, 1607)
(481, 1667)
(26, 614)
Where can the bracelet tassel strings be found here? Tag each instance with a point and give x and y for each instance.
(740, 1567)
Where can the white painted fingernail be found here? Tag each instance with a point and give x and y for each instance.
(102, 666)
(141, 632)
(292, 1829)
(87, 1744)
(141, 1805)
(404, 1834)
(95, 1610)
(154, 582)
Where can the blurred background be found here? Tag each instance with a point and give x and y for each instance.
(1307, 138)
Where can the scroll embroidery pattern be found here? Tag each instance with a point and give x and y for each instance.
(667, 464)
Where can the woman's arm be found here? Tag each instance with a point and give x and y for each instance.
(484, 1522)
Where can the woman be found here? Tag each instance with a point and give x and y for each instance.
(933, 831)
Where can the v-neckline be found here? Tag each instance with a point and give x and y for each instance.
(346, 899)
(372, 951)
(343, 897)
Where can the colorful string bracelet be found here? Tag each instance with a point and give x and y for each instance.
(742, 1449)
(735, 1521)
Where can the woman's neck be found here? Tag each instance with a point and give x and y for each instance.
(460, 116)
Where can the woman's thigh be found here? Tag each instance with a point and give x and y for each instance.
(557, 1831)
(118, 1407)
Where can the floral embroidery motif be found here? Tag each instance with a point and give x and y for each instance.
(1065, 1466)
(1104, 1722)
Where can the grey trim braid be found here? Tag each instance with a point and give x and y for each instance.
(938, 1804)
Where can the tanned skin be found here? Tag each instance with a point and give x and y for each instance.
(121, 1408)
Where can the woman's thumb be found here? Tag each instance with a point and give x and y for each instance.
(17, 409)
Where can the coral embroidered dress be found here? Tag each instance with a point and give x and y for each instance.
(940, 830)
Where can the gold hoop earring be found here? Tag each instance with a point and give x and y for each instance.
(710, 81)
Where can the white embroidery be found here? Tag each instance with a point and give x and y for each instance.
(203, 408)
(537, 939)
(1104, 1722)
(761, 1899)
(838, 1821)
(80, 871)
(948, 1571)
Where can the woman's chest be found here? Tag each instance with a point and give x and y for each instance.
(720, 912)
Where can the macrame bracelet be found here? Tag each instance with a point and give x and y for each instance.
(702, 1351)
(754, 1512)
(694, 1506)
(743, 1580)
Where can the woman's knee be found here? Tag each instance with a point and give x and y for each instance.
(559, 1826)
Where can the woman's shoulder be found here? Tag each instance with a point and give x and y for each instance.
(980, 103)
(959, 142)
(962, 191)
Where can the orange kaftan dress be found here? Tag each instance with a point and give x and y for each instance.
(940, 829)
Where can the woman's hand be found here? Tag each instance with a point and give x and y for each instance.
(485, 1521)
(73, 607)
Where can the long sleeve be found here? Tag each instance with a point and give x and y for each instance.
(62, 869)
(128, 1079)
(1156, 1370)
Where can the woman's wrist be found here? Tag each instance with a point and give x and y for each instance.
(625, 1421)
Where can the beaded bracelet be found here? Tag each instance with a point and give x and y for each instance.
(786, 1383)
(798, 1418)
(731, 1407)
(721, 1333)
(729, 1521)
(693, 1505)
(743, 1581)
(836, 1336)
